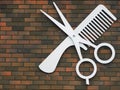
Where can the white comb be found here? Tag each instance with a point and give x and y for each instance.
(97, 22)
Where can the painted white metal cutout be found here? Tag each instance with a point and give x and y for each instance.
(86, 33)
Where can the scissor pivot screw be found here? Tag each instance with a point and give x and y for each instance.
(73, 35)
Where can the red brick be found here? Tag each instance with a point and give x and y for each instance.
(2, 23)
(105, 78)
(115, 78)
(17, 64)
(11, 42)
(1, 87)
(42, 2)
(35, 42)
(24, 6)
(5, 64)
(5, 55)
(65, 2)
(69, 69)
(116, 25)
(29, 19)
(2, 15)
(60, 69)
(6, 28)
(15, 82)
(29, 64)
(6, 73)
(5, 37)
(26, 82)
(18, 1)
(44, 7)
(30, 2)
(92, 88)
(71, 7)
(51, 11)
(107, 83)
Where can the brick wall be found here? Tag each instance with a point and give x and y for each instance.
(27, 37)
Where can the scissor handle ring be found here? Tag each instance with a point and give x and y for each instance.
(89, 76)
(104, 45)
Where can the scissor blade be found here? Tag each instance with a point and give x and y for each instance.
(62, 27)
(53, 20)
(66, 23)
(78, 50)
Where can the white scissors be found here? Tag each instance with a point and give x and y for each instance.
(79, 42)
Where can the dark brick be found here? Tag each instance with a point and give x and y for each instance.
(46, 41)
(23, 50)
(81, 87)
(37, 33)
(12, 6)
(3, 6)
(18, 28)
(18, 24)
(6, 10)
(2, 50)
(18, 19)
(18, 15)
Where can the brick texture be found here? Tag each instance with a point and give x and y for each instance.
(27, 37)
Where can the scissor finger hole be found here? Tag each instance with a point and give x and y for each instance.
(81, 74)
(104, 53)
(109, 53)
(86, 68)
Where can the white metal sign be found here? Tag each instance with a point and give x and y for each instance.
(95, 24)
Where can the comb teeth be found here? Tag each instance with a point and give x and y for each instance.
(97, 26)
